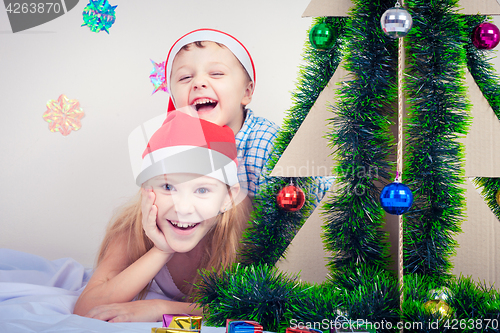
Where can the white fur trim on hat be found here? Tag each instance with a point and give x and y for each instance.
(189, 159)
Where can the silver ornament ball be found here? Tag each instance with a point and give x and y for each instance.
(396, 22)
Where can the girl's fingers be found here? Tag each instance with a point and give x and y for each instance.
(151, 222)
(149, 212)
(106, 312)
(148, 198)
(100, 312)
(120, 319)
(147, 204)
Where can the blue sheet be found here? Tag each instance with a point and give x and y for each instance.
(38, 295)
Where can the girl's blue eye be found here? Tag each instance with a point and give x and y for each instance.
(168, 187)
(203, 190)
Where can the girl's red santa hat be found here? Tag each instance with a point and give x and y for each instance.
(212, 35)
(186, 144)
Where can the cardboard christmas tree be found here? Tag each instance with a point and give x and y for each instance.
(309, 154)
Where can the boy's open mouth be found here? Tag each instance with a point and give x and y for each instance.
(183, 225)
(205, 104)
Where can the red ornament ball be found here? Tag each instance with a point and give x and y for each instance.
(291, 198)
(485, 36)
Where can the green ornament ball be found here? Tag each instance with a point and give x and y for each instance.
(322, 36)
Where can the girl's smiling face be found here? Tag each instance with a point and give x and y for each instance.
(187, 207)
(211, 79)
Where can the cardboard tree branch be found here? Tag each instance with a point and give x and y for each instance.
(306, 254)
(308, 153)
(482, 143)
(478, 251)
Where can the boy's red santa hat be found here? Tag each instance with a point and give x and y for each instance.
(186, 144)
(234, 45)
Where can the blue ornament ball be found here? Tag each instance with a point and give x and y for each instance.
(396, 198)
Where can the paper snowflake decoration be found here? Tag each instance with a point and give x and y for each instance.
(63, 115)
(99, 15)
(157, 76)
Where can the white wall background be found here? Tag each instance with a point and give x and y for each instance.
(58, 193)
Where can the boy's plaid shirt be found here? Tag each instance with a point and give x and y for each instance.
(255, 141)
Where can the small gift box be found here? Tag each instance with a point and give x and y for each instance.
(243, 326)
(172, 330)
(184, 322)
(302, 330)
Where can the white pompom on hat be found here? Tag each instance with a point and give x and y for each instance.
(212, 35)
(186, 144)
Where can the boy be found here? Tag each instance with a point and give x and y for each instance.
(214, 73)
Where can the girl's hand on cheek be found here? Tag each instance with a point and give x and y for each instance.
(149, 214)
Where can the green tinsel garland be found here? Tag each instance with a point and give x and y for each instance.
(488, 81)
(273, 229)
(256, 292)
(416, 291)
(472, 301)
(277, 301)
(365, 293)
(354, 216)
(474, 307)
(437, 117)
(370, 293)
(489, 190)
(362, 293)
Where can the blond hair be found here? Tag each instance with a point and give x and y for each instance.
(223, 240)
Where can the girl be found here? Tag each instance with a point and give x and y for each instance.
(183, 219)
